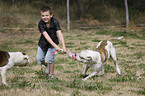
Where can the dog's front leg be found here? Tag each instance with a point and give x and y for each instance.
(4, 71)
(85, 69)
(96, 69)
(102, 72)
(93, 74)
(3, 75)
(113, 55)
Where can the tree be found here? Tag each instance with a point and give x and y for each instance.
(68, 18)
(127, 14)
(82, 9)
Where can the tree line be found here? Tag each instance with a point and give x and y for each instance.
(84, 8)
(85, 4)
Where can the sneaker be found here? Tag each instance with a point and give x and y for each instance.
(47, 70)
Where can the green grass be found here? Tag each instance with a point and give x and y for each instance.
(68, 73)
(131, 34)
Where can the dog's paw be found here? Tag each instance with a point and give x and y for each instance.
(118, 71)
(118, 74)
(5, 84)
(84, 79)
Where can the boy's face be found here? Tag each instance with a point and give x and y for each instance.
(45, 16)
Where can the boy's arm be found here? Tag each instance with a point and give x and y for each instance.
(50, 41)
(61, 39)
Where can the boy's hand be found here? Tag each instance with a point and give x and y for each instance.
(60, 50)
(64, 50)
(57, 49)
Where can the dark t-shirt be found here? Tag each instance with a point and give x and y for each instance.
(53, 27)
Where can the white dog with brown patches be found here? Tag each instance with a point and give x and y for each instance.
(10, 59)
(96, 59)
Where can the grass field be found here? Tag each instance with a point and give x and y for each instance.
(31, 80)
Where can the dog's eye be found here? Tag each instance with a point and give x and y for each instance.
(23, 53)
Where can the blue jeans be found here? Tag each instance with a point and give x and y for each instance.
(46, 56)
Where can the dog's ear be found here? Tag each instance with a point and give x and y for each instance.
(23, 53)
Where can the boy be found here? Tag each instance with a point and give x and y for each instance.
(49, 28)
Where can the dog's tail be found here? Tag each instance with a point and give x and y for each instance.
(116, 38)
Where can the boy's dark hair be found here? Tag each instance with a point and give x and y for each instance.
(46, 8)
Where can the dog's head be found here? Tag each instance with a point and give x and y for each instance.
(84, 56)
(21, 59)
(79, 57)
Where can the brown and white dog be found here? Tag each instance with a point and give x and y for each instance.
(10, 59)
(96, 59)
